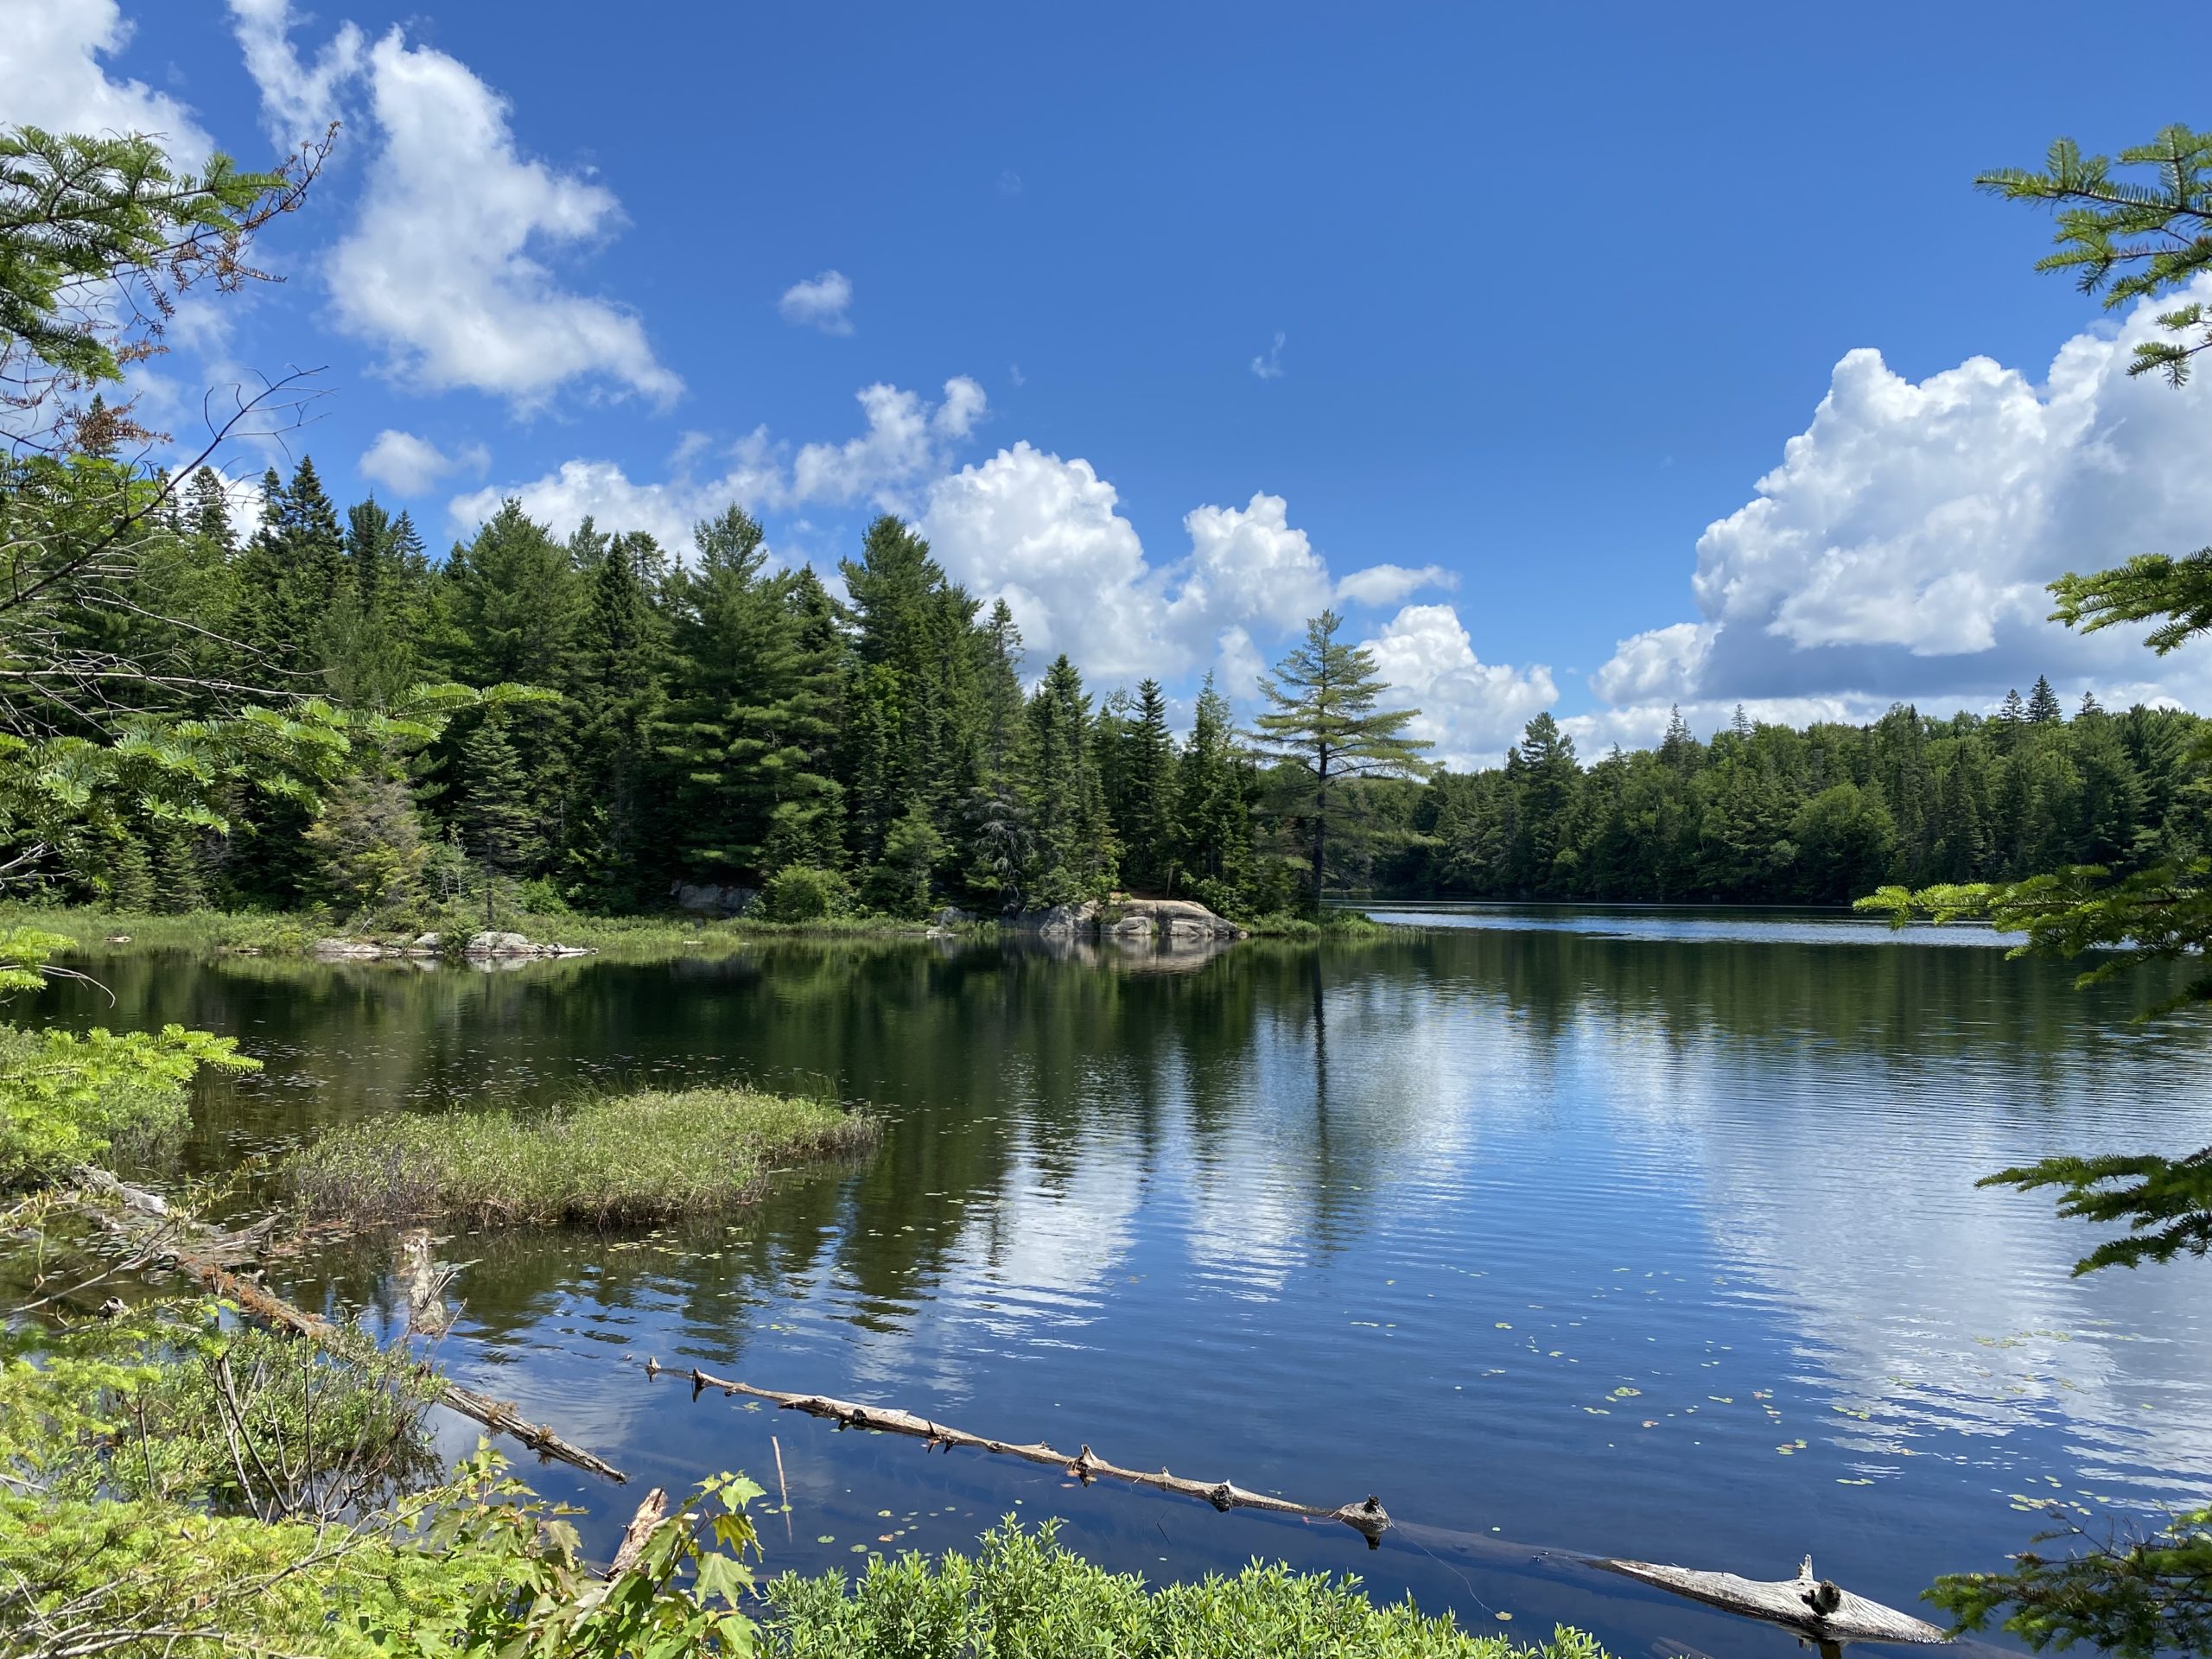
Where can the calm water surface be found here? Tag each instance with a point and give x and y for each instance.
(1639, 1233)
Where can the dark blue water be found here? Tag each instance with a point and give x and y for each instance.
(1643, 1234)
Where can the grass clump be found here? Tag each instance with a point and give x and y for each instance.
(602, 1162)
(1023, 1594)
(1330, 925)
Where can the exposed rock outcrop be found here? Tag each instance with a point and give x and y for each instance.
(1134, 922)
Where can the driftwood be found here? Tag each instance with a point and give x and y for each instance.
(1816, 1609)
(1812, 1608)
(210, 1256)
(651, 1513)
(1368, 1519)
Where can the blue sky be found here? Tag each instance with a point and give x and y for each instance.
(1184, 321)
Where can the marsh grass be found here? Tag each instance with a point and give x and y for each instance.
(619, 938)
(603, 1162)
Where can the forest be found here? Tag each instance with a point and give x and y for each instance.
(725, 723)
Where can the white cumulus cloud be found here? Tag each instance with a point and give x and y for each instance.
(408, 465)
(907, 441)
(1901, 548)
(299, 100)
(51, 76)
(1471, 710)
(1386, 584)
(445, 270)
(820, 302)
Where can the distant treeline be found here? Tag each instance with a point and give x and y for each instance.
(1767, 814)
(718, 723)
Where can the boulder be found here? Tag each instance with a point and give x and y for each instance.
(502, 944)
(712, 901)
(953, 915)
(348, 950)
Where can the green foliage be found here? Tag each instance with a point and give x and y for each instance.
(2130, 241)
(68, 1099)
(2135, 1595)
(1025, 1596)
(1766, 814)
(800, 893)
(175, 1403)
(607, 1162)
(93, 225)
(676, 1596)
(368, 851)
(1326, 723)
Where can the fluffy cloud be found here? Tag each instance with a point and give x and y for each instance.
(1469, 709)
(820, 302)
(298, 100)
(1043, 534)
(1386, 584)
(408, 465)
(444, 268)
(51, 76)
(1902, 546)
(1251, 564)
(907, 441)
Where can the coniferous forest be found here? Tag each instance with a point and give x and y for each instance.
(720, 722)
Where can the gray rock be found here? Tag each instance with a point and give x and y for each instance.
(348, 950)
(712, 901)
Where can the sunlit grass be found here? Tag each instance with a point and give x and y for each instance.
(599, 1162)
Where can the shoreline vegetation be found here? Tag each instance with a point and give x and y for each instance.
(608, 1162)
(617, 938)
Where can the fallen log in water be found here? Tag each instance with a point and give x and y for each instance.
(1812, 1608)
(1368, 1519)
(1815, 1609)
(161, 1231)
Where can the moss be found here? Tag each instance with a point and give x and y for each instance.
(603, 1162)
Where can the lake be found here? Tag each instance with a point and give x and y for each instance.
(1643, 1233)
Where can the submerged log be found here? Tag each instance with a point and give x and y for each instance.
(164, 1235)
(1816, 1609)
(1369, 1519)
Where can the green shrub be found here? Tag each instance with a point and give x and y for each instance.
(1025, 1597)
(608, 1162)
(801, 892)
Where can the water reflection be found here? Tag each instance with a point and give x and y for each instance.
(1563, 1226)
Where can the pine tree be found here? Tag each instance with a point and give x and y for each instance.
(1075, 854)
(493, 812)
(1325, 724)
(1213, 805)
(2043, 704)
(753, 724)
(618, 697)
(1144, 821)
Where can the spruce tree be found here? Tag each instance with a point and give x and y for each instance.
(1074, 852)
(1213, 805)
(2043, 708)
(1326, 723)
(493, 811)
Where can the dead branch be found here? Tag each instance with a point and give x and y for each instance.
(1816, 1609)
(1368, 1519)
(210, 1257)
(651, 1513)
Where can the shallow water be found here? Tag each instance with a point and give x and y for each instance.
(1641, 1233)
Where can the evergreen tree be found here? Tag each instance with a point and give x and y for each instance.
(2043, 704)
(1213, 803)
(1324, 723)
(1074, 846)
(497, 823)
(1144, 814)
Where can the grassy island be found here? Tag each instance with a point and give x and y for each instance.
(602, 1162)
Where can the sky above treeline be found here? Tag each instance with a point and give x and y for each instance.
(1596, 360)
